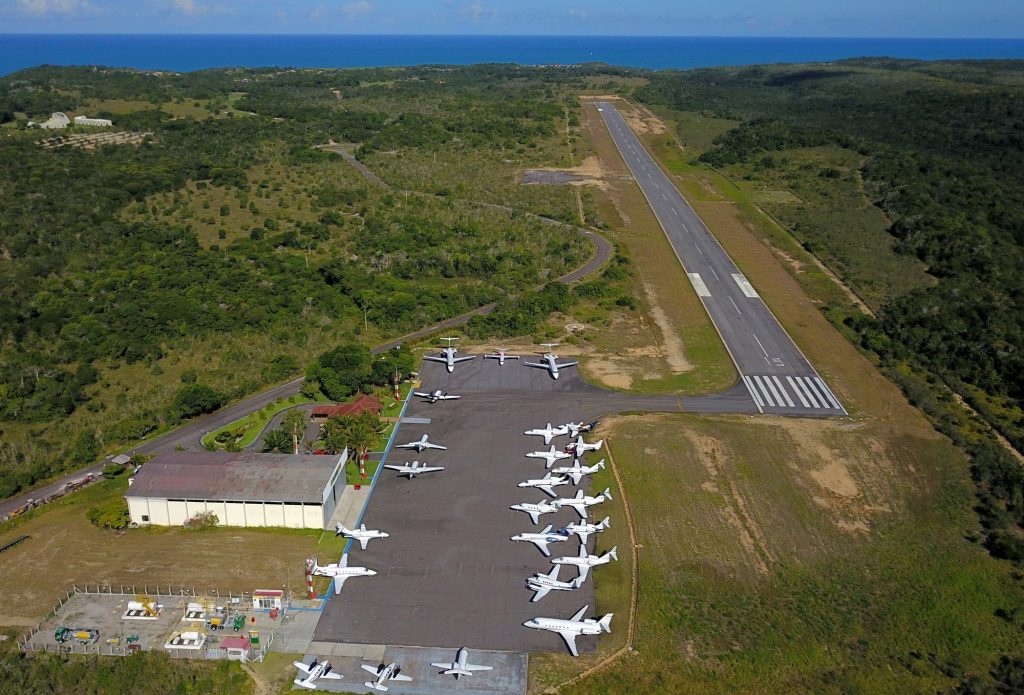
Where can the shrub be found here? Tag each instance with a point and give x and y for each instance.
(113, 514)
(202, 521)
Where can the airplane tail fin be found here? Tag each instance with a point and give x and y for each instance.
(607, 493)
(606, 622)
(578, 582)
(605, 522)
(457, 672)
(304, 684)
(600, 465)
(340, 529)
(614, 553)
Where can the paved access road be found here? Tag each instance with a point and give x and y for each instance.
(775, 374)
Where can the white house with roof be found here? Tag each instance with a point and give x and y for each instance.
(86, 120)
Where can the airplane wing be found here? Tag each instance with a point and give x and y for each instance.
(542, 546)
(331, 675)
(577, 476)
(570, 641)
(304, 684)
(421, 394)
(429, 469)
(301, 666)
(584, 572)
(584, 535)
(429, 445)
(445, 666)
(563, 365)
(535, 517)
(463, 359)
(433, 358)
(548, 489)
(400, 677)
(579, 614)
(542, 591)
(478, 667)
(394, 467)
(448, 398)
(581, 509)
(363, 540)
(540, 365)
(339, 582)
(371, 669)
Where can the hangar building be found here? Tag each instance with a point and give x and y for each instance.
(242, 489)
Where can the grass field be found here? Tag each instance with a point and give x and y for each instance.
(65, 549)
(254, 423)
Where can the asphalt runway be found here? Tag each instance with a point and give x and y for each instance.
(776, 375)
(449, 575)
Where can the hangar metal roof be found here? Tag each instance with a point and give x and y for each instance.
(234, 477)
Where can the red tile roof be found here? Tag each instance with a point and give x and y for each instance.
(362, 403)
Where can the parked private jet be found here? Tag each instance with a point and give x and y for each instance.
(584, 529)
(548, 432)
(549, 456)
(448, 356)
(383, 674)
(578, 428)
(577, 470)
(314, 672)
(435, 396)
(360, 534)
(543, 583)
(542, 539)
(572, 628)
(535, 510)
(501, 355)
(411, 470)
(548, 483)
(580, 447)
(420, 444)
(340, 572)
(585, 561)
(550, 362)
(461, 665)
(580, 502)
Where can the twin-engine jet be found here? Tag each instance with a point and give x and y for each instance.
(383, 674)
(548, 432)
(543, 583)
(420, 444)
(411, 470)
(549, 456)
(581, 501)
(448, 356)
(341, 572)
(314, 672)
(584, 529)
(361, 534)
(535, 510)
(584, 561)
(501, 354)
(550, 362)
(548, 483)
(542, 539)
(435, 396)
(577, 470)
(572, 628)
(461, 665)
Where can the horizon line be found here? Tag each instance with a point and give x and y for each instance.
(513, 35)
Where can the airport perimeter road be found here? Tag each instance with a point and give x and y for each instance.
(772, 369)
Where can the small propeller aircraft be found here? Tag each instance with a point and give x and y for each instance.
(314, 672)
(448, 356)
(383, 674)
(435, 396)
(461, 665)
(411, 470)
(360, 534)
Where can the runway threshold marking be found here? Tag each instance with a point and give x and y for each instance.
(753, 393)
(698, 285)
(796, 390)
(745, 287)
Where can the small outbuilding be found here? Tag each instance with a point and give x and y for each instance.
(363, 403)
(241, 489)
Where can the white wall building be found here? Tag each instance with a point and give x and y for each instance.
(85, 120)
(242, 489)
(56, 121)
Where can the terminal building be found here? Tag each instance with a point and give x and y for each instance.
(242, 489)
(86, 120)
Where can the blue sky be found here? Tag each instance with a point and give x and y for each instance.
(858, 18)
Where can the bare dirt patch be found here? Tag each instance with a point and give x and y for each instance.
(674, 351)
(609, 372)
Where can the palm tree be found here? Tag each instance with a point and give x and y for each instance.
(362, 433)
(294, 423)
(278, 442)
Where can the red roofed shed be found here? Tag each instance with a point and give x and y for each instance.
(363, 403)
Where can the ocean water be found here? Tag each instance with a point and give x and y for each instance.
(195, 52)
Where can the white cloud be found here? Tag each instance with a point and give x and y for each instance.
(189, 7)
(355, 10)
(578, 14)
(476, 12)
(41, 8)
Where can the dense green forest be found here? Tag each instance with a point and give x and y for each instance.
(228, 249)
(939, 148)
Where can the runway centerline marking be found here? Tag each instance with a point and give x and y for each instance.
(760, 345)
(735, 307)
